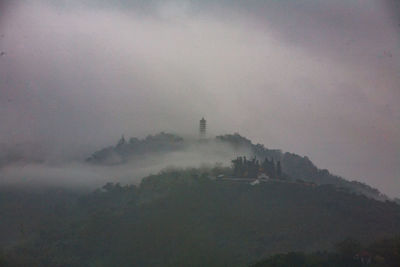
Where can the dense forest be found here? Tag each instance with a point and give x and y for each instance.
(294, 167)
(349, 252)
(125, 151)
(178, 216)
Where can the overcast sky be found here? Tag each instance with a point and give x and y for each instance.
(318, 78)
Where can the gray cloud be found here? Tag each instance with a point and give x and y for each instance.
(78, 175)
(317, 78)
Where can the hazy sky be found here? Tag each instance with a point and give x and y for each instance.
(318, 78)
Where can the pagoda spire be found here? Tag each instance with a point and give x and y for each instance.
(202, 128)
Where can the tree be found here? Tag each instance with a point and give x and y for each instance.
(278, 169)
(272, 169)
(121, 141)
(348, 248)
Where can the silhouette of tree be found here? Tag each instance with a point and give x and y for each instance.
(278, 169)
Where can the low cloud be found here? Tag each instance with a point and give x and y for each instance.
(85, 176)
(316, 78)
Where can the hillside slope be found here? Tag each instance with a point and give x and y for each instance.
(177, 217)
(296, 167)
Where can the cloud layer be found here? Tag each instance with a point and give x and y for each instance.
(317, 78)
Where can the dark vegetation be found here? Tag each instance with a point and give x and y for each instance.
(252, 168)
(188, 218)
(134, 148)
(349, 252)
(293, 166)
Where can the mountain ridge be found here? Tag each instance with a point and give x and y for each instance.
(296, 167)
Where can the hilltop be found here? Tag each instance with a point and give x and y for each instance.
(228, 212)
(296, 167)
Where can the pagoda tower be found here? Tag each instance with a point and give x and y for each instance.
(202, 128)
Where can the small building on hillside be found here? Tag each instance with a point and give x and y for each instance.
(263, 177)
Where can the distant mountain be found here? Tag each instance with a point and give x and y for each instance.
(294, 166)
(21, 153)
(125, 151)
(187, 218)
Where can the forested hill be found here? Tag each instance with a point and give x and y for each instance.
(349, 252)
(184, 218)
(294, 166)
(124, 150)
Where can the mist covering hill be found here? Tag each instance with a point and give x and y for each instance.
(187, 216)
(295, 166)
(183, 218)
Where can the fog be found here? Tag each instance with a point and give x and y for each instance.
(84, 176)
(316, 78)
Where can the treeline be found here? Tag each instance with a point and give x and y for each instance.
(253, 168)
(300, 167)
(350, 252)
(181, 217)
(295, 166)
(126, 150)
